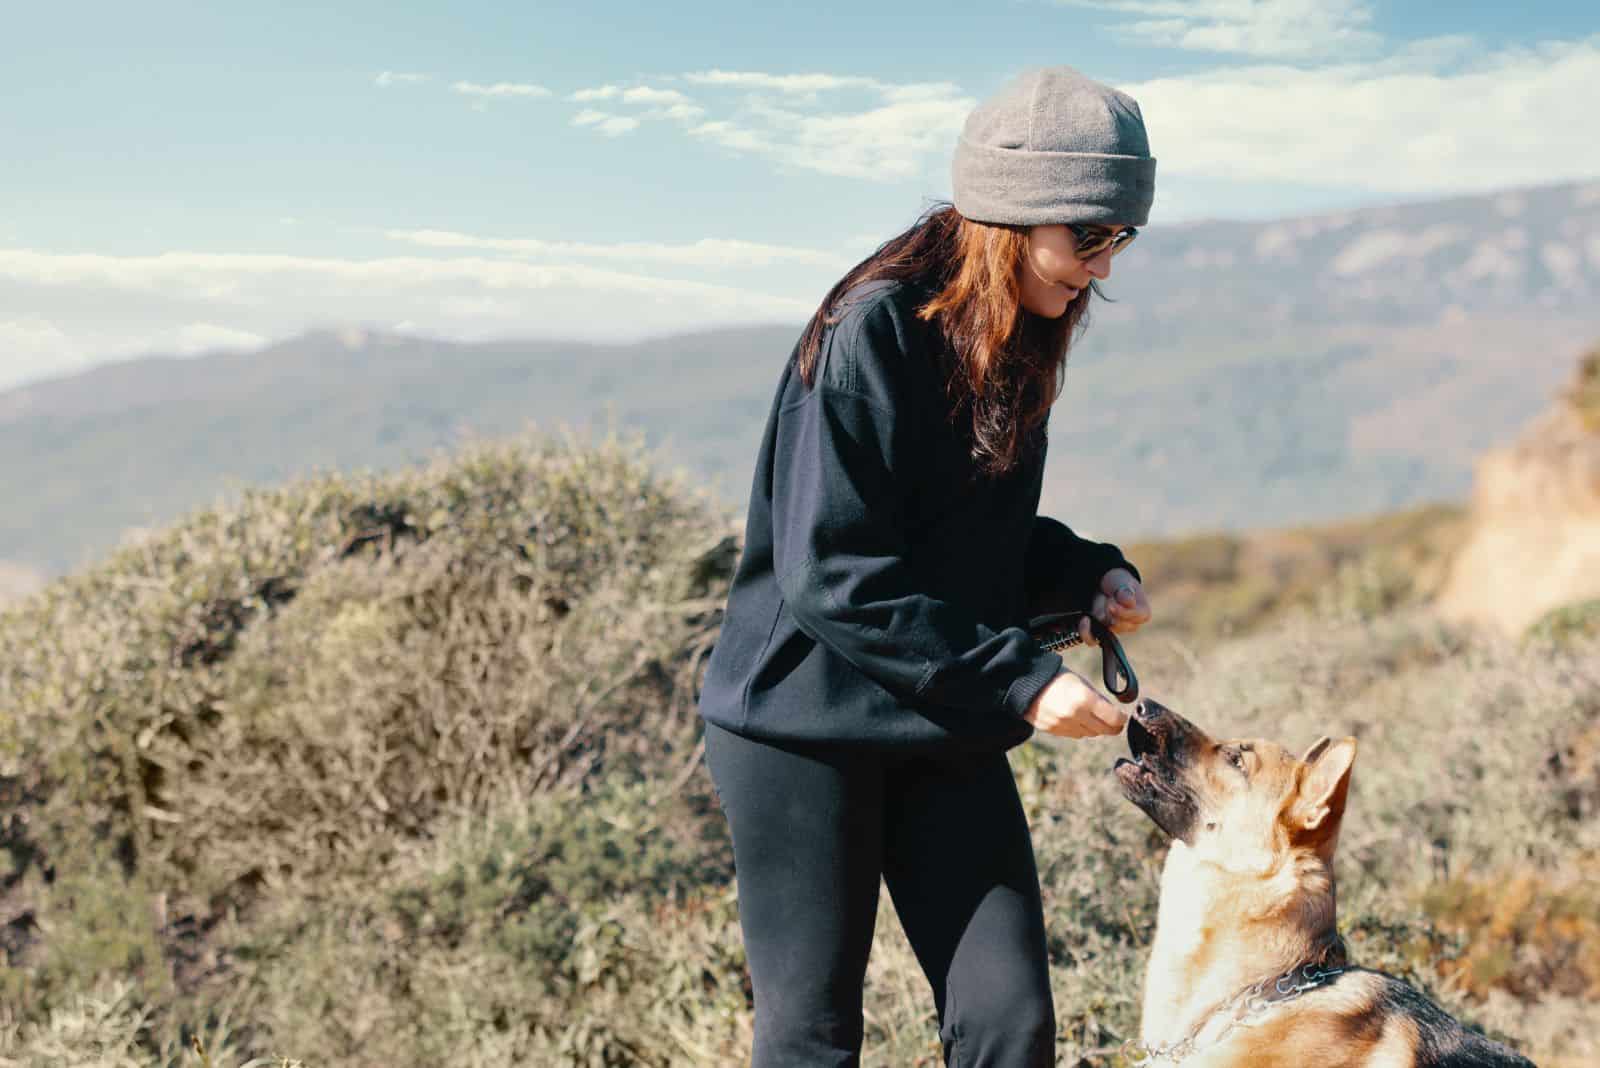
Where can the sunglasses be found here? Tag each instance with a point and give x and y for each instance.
(1093, 240)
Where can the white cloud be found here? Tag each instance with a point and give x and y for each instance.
(1286, 29)
(191, 339)
(617, 125)
(894, 135)
(684, 113)
(912, 128)
(499, 89)
(1426, 55)
(473, 308)
(707, 252)
(35, 347)
(890, 138)
(804, 84)
(606, 123)
(238, 277)
(643, 94)
(1414, 123)
(62, 311)
(662, 104)
(389, 77)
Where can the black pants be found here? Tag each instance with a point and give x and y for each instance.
(813, 830)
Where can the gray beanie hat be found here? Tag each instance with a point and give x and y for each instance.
(1055, 147)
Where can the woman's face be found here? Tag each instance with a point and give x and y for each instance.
(1052, 275)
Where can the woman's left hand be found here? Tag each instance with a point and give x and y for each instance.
(1120, 604)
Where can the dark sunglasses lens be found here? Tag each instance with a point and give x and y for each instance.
(1092, 242)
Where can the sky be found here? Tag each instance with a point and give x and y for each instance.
(177, 178)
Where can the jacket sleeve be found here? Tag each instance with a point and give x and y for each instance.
(1062, 571)
(844, 453)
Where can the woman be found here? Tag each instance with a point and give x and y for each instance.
(871, 671)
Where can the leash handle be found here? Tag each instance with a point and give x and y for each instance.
(1115, 669)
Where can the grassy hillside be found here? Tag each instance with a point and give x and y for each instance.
(402, 769)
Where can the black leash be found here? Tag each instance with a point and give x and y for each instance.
(1059, 630)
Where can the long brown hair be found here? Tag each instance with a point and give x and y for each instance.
(1008, 363)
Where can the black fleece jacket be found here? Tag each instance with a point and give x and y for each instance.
(880, 595)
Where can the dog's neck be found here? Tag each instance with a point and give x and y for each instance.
(1217, 932)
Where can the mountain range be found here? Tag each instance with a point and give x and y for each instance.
(1244, 374)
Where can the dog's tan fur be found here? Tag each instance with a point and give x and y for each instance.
(1248, 893)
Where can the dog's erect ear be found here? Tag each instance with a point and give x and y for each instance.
(1324, 787)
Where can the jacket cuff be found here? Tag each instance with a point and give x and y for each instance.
(1118, 560)
(1106, 559)
(1020, 694)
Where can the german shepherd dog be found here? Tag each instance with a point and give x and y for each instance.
(1248, 967)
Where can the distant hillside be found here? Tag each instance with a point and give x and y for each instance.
(136, 444)
(1248, 375)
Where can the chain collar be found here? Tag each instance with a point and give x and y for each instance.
(1246, 1007)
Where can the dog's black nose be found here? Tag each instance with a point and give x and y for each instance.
(1148, 710)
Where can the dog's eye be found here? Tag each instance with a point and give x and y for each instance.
(1235, 757)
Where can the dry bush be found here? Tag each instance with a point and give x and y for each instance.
(270, 699)
(1532, 934)
(592, 927)
(401, 770)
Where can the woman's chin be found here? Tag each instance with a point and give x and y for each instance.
(1054, 309)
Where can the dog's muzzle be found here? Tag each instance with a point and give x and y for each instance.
(1159, 740)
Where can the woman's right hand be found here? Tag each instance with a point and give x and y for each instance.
(1071, 708)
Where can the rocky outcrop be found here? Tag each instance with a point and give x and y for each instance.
(1535, 538)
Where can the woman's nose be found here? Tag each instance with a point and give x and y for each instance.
(1099, 264)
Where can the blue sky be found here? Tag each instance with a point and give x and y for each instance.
(181, 176)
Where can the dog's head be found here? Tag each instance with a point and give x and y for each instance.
(1239, 804)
